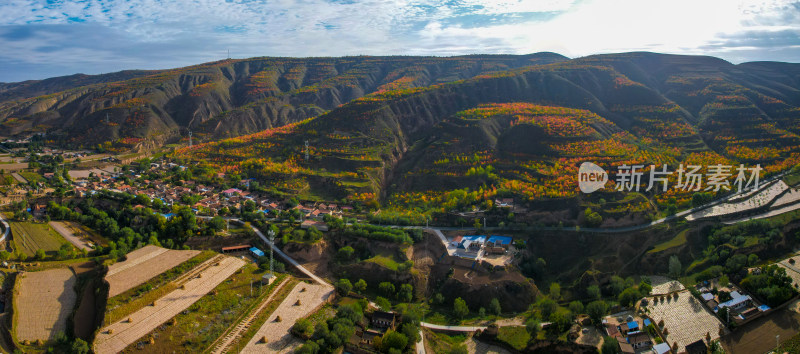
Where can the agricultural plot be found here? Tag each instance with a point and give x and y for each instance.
(117, 336)
(304, 299)
(760, 199)
(72, 233)
(43, 303)
(792, 196)
(663, 285)
(142, 265)
(686, 319)
(29, 237)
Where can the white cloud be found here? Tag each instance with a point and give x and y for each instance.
(192, 31)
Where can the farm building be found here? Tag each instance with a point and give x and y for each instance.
(498, 244)
(233, 249)
(256, 252)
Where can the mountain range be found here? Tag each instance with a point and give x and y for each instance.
(422, 133)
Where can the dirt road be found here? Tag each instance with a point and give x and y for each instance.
(66, 231)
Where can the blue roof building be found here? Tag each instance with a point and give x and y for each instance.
(257, 252)
(500, 241)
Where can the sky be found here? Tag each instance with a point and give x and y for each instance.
(40, 39)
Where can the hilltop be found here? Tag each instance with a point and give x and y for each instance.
(522, 133)
(228, 98)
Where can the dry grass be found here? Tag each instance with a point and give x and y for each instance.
(42, 303)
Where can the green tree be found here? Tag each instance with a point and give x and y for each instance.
(79, 346)
(555, 291)
(394, 340)
(724, 281)
(406, 293)
(576, 307)
(596, 310)
(40, 254)
(645, 288)
(628, 297)
(674, 267)
(303, 328)
(547, 306)
(5, 255)
(593, 291)
(360, 286)
(593, 219)
(561, 318)
(217, 223)
(383, 303)
(533, 326)
(610, 346)
(345, 254)
(494, 307)
(343, 286)
(386, 288)
(460, 309)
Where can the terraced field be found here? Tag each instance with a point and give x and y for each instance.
(43, 303)
(142, 265)
(193, 286)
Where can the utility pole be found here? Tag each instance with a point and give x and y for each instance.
(271, 246)
(190, 138)
(306, 150)
(106, 117)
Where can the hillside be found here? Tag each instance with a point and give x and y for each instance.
(431, 147)
(221, 99)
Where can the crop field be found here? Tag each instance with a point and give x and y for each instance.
(790, 197)
(43, 303)
(758, 200)
(303, 300)
(142, 265)
(117, 336)
(29, 237)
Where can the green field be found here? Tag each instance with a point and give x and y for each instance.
(31, 176)
(29, 237)
(516, 337)
(384, 260)
(676, 241)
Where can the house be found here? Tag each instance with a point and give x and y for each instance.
(504, 202)
(698, 347)
(737, 302)
(455, 241)
(612, 331)
(707, 296)
(49, 175)
(231, 192)
(499, 241)
(38, 210)
(639, 340)
(256, 252)
(384, 320)
(471, 243)
(624, 346)
(662, 348)
(628, 327)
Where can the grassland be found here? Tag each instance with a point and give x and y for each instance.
(31, 176)
(386, 261)
(29, 237)
(516, 337)
(131, 300)
(442, 343)
(676, 241)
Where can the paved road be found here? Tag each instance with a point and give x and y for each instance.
(289, 259)
(452, 328)
(6, 228)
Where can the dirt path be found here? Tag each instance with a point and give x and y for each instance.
(119, 335)
(66, 231)
(279, 340)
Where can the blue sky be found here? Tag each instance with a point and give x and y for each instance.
(40, 39)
